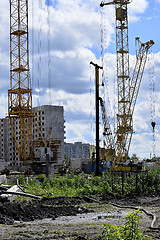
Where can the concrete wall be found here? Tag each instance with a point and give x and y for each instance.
(76, 163)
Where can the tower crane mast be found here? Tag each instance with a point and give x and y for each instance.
(123, 80)
(20, 92)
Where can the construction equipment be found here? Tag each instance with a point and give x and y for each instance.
(20, 92)
(128, 88)
(97, 114)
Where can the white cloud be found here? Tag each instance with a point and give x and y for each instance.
(136, 8)
(75, 41)
(3, 106)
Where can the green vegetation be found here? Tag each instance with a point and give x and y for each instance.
(129, 231)
(69, 185)
(76, 185)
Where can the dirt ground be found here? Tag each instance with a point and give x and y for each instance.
(72, 218)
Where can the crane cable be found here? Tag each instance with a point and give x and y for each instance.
(152, 98)
(32, 43)
(39, 51)
(103, 33)
(105, 77)
(49, 68)
(49, 51)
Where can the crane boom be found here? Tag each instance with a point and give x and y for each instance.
(136, 81)
(134, 90)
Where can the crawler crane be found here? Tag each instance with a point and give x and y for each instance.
(128, 88)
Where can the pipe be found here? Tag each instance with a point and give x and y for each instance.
(20, 194)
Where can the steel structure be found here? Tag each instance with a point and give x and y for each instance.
(20, 92)
(141, 57)
(124, 123)
(97, 114)
(127, 87)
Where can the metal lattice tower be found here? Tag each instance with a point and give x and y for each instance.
(128, 88)
(124, 125)
(20, 92)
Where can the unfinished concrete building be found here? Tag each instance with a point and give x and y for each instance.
(50, 121)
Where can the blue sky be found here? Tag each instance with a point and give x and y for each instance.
(147, 27)
(75, 40)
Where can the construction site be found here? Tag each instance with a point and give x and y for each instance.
(33, 147)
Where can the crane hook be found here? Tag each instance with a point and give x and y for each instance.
(153, 124)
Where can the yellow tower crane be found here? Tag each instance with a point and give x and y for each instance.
(123, 80)
(128, 88)
(20, 92)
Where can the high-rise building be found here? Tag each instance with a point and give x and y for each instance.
(50, 121)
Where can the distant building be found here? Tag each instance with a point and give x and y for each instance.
(50, 120)
(77, 150)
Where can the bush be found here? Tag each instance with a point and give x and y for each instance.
(129, 231)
